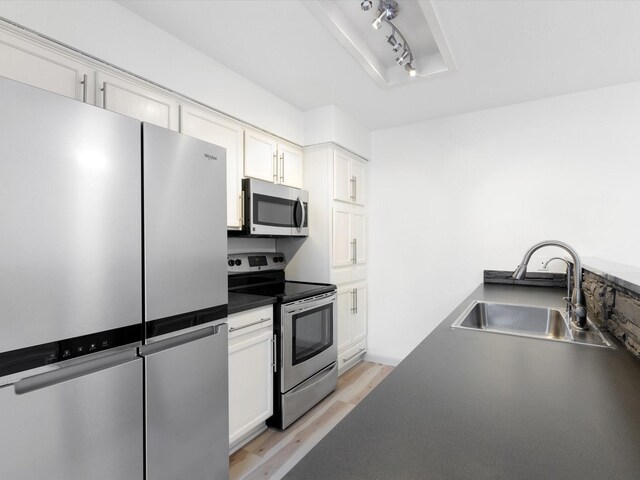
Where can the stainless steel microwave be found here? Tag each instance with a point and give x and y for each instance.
(274, 210)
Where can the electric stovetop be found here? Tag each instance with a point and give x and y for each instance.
(263, 274)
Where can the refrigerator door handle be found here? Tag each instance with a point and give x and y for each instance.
(71, 372)
(182, 339)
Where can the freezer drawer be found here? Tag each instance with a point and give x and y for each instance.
(187, 422)
(80, 422)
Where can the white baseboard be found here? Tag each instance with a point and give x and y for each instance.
(383, 359)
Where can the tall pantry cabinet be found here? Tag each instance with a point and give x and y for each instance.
(336, 250)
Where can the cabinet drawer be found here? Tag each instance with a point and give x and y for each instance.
(250, 321)
(350, 356)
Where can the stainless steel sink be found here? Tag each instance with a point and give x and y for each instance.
(527, 321)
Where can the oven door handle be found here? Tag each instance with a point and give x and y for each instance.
(302, 307)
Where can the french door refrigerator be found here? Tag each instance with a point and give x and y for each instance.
(185, 336)
(71, 391)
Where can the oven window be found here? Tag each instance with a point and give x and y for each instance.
(312, 332)
(272, 211)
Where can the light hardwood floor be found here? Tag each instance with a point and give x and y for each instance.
(273, 453)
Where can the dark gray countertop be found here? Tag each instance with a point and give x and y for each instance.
(239, 302)
(478, 405)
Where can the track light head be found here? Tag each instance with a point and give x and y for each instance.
(377, 23)
(366, 5)
(410, 70)
(400, 60)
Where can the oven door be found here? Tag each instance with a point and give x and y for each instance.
(308, 344)
(275, 210)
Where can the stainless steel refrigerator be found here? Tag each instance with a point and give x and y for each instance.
(185, 337)
(71, 391)
(113, 296)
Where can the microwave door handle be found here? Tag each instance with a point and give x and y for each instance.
(304, 214)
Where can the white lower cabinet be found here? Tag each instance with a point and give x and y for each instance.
(251, 360)
(352, 323)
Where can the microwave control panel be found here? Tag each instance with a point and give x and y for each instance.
(255, 262)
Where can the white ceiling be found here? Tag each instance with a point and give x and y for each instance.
(505, 52)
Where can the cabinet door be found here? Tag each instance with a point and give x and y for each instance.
(344, 307)
(220, 131)
(130, 99)
(342, 248)
(341, 177)
(359, 317)
(358, 183)
(260, 156)
(28, 63)
(289, 165)
(250, 382)
(358, 233)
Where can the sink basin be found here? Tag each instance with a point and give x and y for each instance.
(527, 321)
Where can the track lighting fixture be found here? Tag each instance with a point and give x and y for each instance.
(387, 11)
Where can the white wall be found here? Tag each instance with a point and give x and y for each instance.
(112, 33)
(331, 124)
(454, 196)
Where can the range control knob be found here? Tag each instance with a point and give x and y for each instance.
(230, 262)
(281, 259)
(238, 262)
(276, 259)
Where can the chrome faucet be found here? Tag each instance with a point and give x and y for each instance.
(577, 310)
(568, 263)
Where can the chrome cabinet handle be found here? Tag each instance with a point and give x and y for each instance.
(354, 251)
(275, 167)
(355, 248)
(353, 300)
(273, 354)
(355, 188)
(84, 88)
(282, 170)
(355, 291)
(345, 360)
(104, 95)
(233, 329)
(241, 215)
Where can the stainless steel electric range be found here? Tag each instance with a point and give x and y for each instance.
(305, 325)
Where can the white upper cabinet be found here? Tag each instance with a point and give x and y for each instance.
(290, 167)
(229, 135)
(348, 178)
(40, 67)
(260, 154)
(136, 101)
(341, 178)
(358, 183)
(267, 159)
